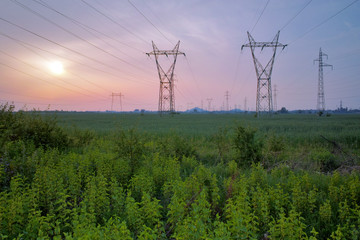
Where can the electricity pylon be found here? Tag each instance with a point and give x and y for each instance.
(227, 95)
(275, 98)
(209, 103)
(167, 85)
(263, 94)
(113, 95)
(321, 97)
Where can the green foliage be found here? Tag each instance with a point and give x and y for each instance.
(222, 142)
(326, 161)
(40, 130)
(288, 227)
(174, 145)
(248, 147)
(129, 145)
(143, 186)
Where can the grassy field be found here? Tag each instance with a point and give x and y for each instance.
(205, 176)
(294, 127)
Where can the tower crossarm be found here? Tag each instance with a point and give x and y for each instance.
(165, 52)
(264, 44)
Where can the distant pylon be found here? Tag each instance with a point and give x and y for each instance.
(227, 95)
(245, 104)
(321, 96)
(114, 95)
(275, 98)
(167, 85)
(209, 103)
(264, 94)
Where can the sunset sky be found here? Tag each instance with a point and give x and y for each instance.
(73, 54)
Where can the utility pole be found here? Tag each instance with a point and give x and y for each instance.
(209, 103)
(264, 94)
(227, 95)
(167, 85)
(245, 104)
(275, 95)
(114, 95)
(321, 96)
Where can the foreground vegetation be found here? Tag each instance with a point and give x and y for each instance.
(228, 179)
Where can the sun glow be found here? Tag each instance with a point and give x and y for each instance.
(56, 67)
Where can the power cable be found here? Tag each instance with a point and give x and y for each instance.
(147, 19)
(29, 46)
(193, 76)
(323, 22)
(238, 60)
(38, 69)
(73, 34)
(297, 14)
(87, 28)
(260, 15)
(29, 65)
(60, 45)
(37, 78)
(113, 21)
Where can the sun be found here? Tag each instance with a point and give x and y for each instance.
(56, 67)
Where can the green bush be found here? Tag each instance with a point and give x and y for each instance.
(42, 131)
(247, 145)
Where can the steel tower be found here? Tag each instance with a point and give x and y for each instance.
(321, 96)
(167, 85)
(264, 101)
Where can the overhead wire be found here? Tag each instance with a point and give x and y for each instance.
(163, 35)
(87, 28)
(41, 79)
(46, 59)
(58, 78)
(147, 19)
(74, 34)
(238, 60)
(262, 12)
(324, 21)
(113, 21)
(297, 14)
(62, 46)
(29, 46)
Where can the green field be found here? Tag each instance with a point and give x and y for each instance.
(293, 127)
(187, 176)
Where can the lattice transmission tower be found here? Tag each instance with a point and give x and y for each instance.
(264, 101)
(227, 96)
(321, 96)
(275, 98)
(113, 96)
(167, 80)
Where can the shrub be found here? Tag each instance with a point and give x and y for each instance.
(129, 145)
(248, 147)
(42, 131)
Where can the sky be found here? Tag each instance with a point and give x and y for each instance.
(101, 46)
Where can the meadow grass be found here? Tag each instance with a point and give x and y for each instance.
(188, 176)
(295, 128)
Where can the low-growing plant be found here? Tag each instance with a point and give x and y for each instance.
(248, 146)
